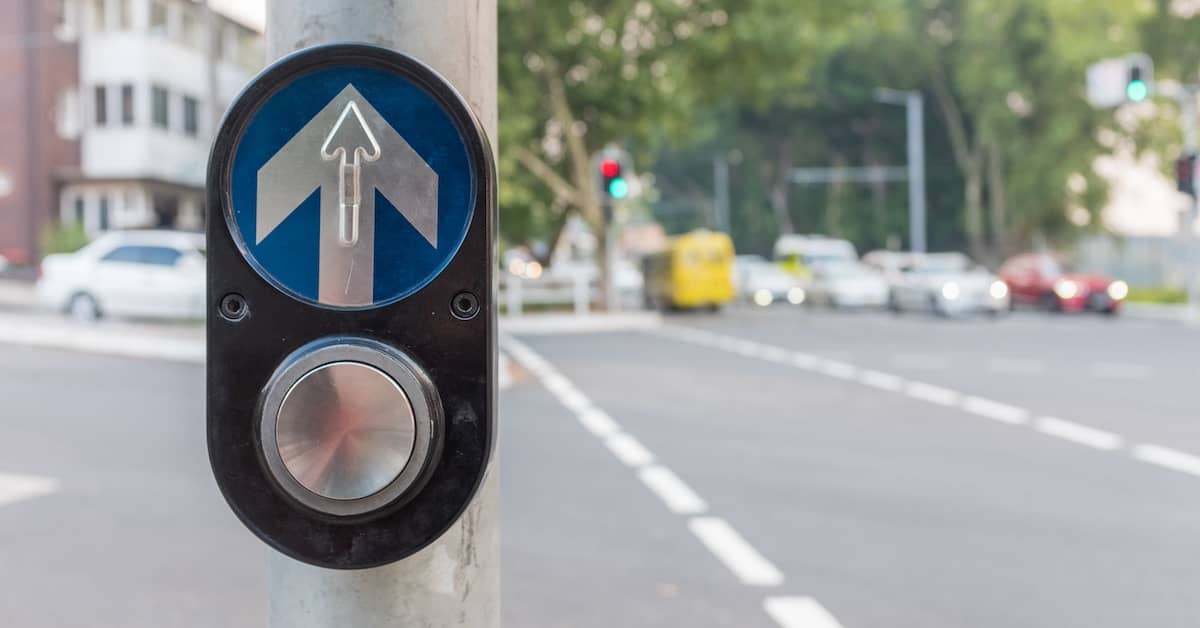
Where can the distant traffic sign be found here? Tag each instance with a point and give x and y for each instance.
(350, 186)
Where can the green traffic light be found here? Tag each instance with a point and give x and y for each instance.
(1137, 91)
(618, 188)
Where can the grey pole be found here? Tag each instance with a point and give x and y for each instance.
(915, 108)
(1187, 109)
(456, 580)
(721, 221)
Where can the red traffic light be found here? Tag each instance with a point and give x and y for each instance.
(610, 168)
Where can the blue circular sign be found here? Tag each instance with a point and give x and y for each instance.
(350, 187)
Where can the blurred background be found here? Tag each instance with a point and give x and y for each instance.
(858, 313)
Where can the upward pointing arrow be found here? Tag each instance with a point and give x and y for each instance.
(349, 130)
(346, 140)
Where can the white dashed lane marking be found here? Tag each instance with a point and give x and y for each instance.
(715, 533)
(738, 555)
(799, 612)
(1069, 431)
(15, 488)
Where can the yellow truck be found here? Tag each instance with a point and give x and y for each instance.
(694, 271)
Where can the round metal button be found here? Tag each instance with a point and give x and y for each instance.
(350, 426)
(345, 430)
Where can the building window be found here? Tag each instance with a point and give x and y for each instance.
(189, 26)
(66, 26)
(125, 14)
(99, 15)
(158, 18)
(79, 210)
(101, 105)
(191, 116)
(127, 117)
(159, 107)
(66, 114)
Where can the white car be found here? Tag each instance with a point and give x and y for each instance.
(848, 284)
(948, 284)
(153, 274)
(764, 283)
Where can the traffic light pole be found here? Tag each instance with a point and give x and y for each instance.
(455, 581)
(1185, 96)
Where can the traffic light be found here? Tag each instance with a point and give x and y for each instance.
(1138, 78)
(1185, 173)
(613, 180)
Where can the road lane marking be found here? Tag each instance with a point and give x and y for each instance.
(678, 497)
(837, 369)
(881, 380)
(920, 361)
(799, 612)
(1077, 433)
(574, 400)
(1167, 458)
(1016, 366)
(15, 488)
(598, 422)
(1120, 370)
(806, 361)
(995, 410)
(932, 394)
(776, 354)
(738, 555)
(627, 449)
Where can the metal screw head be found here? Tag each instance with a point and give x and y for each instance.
(464, 306)
(234, 307)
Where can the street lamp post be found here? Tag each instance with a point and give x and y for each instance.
(914, 105)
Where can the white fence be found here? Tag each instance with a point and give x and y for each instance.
(576, 292)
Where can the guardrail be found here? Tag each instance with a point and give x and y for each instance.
(577, 292)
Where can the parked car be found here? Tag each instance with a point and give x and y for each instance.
(801, 254)
(3, 263)
(156, 274)
(847, 284)
(947, 284)
(1050, 282)
(763, 283)
(890, 264)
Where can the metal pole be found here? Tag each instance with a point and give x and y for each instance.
(613, 300)
(721, 221)
(1187, 108)
(915, 108)
(456, 580)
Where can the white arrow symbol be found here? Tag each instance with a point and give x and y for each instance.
(349, 196)
(349, 130)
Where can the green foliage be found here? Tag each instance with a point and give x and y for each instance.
(63, 238)
(1157, 295)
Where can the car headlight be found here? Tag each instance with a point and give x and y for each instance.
(1118, 290)
(763, 297)
(1066, 289)
(998, 289)
(950, 291)
(796, 295)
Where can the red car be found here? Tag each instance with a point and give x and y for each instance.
(1046, 281)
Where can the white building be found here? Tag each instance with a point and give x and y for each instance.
(142, 109)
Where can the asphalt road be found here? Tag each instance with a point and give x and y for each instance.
(758, 468)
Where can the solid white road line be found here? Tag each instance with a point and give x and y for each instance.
(932, 394)
(1078, 434)
(738, 555)
(995, 410)
(679, 498)
(806, 361)
(799, 612)
(628, 450)
(14, 488)
(1017, 366)
(1120, 370)
(1166, 457)
(881, 380)
(840, 370)
(574, 400)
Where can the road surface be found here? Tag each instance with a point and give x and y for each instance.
(760, 468)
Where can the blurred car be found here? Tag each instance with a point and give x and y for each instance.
(800, 254)
(947, 284)
(1049, 282)
(890, 264)
(764, 283)
(3, 263)
(847, 284)
(153, 274)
